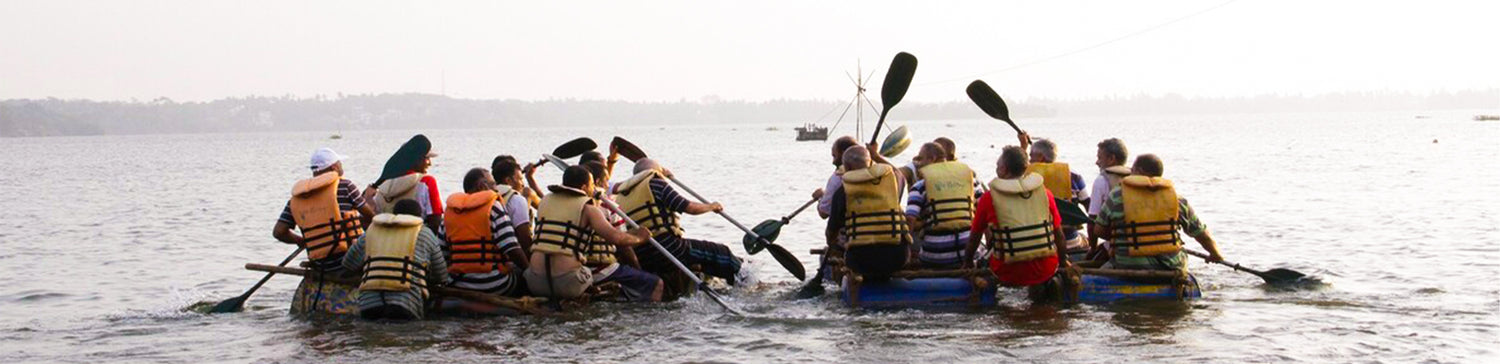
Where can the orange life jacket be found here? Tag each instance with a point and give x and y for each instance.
(326, 231)
(471, 243)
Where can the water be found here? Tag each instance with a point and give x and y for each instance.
(107, 241)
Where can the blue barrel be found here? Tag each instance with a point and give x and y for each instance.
(1101, 289)
(920, 292)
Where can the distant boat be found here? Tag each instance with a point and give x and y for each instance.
(336, 137)
(812, 132)
(1486, 117)
(772, 128)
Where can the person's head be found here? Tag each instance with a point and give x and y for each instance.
(856, 157)
(596, 169)
(1111, 153)
(1043, 151)
(506, 170)
(645, 164)
(407, 207)
(325, 160)
(948, 147)
(1012, 162)
(578, 177)
(930, 153)
(478, 179)
(839, 146)
(1148, 165)
(590, 156)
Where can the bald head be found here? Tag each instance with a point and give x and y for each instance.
(645, 164)
(856, 157)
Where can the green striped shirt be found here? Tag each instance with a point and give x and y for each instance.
(429, 252)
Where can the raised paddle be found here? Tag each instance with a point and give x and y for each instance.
(574, 148)
(1278, 276)
(785, 258)
(237, 303)
(897, 81)
(561, 164)
(990, 102)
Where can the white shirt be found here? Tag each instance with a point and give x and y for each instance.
(1100, 193)
(519, 209)
(825, 203)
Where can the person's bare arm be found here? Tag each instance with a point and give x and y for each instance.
(1207, 241)
(366, 213)
(523, 237)
(283, 232)
(970, 249)
(875, 156)
(695, 208)
(518, 257)
(1025, 139)
(530, 172)
(602, 227)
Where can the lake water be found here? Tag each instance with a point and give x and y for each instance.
(107, 240)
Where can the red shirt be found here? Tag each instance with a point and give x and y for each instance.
(1025, 273)
(432, 194)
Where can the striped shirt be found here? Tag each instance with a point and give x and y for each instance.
(501, 231)
(429, 252)
(671, 202)
(350, 200)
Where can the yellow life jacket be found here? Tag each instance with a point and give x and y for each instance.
(640, 204)
(560, 226)
(873, 210)
(950, 197)
(471, 243)
(1151, 218)
(600, 252)
(326, 230)
(397, 189)
(1113, 175)
(1023, 219)
(390, 250)
(1056, 176)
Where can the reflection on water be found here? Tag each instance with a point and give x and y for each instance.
(108, 264)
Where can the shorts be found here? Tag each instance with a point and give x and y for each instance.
(564, 285)
(877, 261)
(635, 285)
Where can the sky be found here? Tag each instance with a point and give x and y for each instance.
(750, 50)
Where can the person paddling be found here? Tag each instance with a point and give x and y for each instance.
(868, 214)
(480, 244)
(651, 201)
(567, 225)
(400, 257)
(940, 207)
(617, 262)
(507, 175)
(327, 209)
(1025, 228)
(1060, 180)
(1141, 220)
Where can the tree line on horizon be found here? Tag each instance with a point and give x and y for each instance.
(53, 117)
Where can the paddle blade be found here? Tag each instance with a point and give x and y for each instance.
(627, 149)
(1282, 276)
(1071, 213)
(574, 148)
(768, 229)
(788, 261)
(405, 158)
(895, 143)
(897, 80)
(988, 100)
(559, 162)
(235, 304)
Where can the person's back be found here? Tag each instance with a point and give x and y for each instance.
(941, 208)
(874, 221)
(479, 240)
(649, 199)
(400, 259)
(1142, 218)
(1021, 217)
(327, 210)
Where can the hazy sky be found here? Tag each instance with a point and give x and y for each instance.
(644, 50)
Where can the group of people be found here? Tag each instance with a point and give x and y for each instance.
(935, 213)
(503, 235)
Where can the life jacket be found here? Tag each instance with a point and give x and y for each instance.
(1023, 219)
(950, 197)
(640, 204)
(1056, 176)
(471, 243)
(1151, 211)
(1113, 175)
(873, 212)
(390, 250)
(560, 227)
(396, 189)
(326, 230)
(600, 252)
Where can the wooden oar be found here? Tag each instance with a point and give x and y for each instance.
(527, 305)
(561, 164)
(990, 102)
(237, 303)
(785, 258)
(1278, 276)
(897, 81)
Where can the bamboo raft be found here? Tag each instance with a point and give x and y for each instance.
(339, 295)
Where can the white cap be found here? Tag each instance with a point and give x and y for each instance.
(323, 158)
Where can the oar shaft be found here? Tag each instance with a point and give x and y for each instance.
(263, 280)
(799, 210)
(1236, 266)
(721, 213)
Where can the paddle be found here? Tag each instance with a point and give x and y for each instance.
(237, 304)
(990, 102)
(1071, 213)
(1278, 276)
(527, 305)
(770, 229)
(561, 164)
(897, 81)
(782, 256)
(574, 148)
